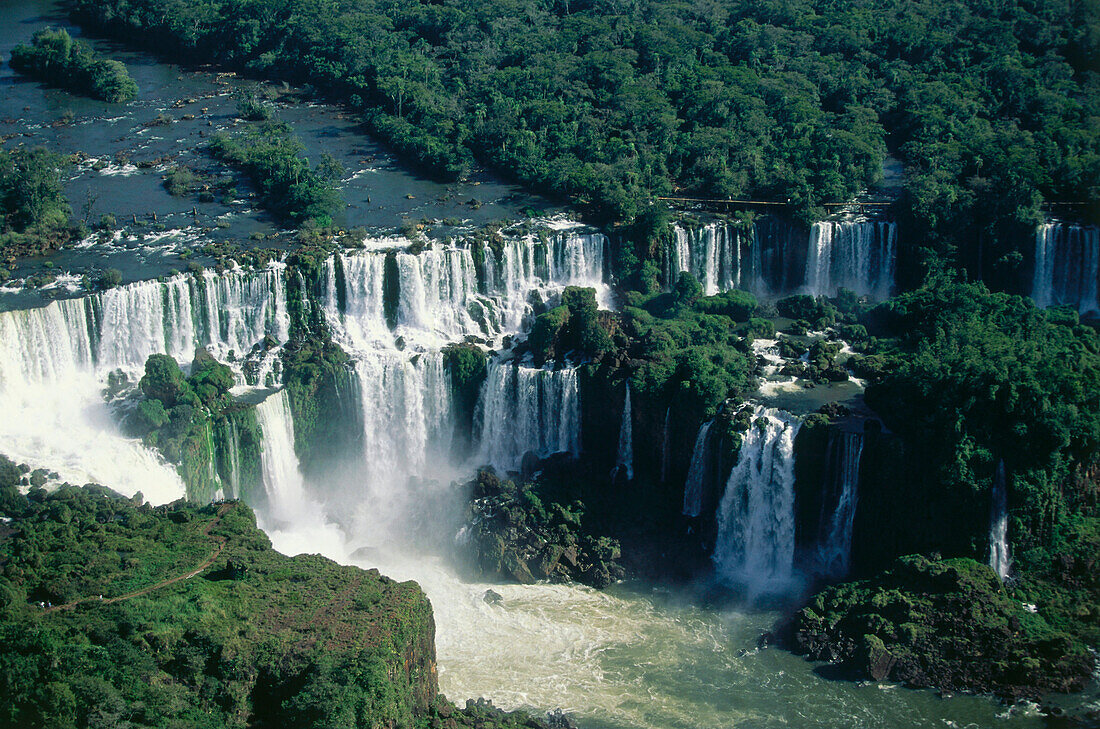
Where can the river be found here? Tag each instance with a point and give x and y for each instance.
(635, 656)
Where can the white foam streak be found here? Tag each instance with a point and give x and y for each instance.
(755, 544)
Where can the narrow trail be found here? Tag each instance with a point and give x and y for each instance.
(222, 511)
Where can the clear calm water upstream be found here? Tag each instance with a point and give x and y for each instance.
(380, 193)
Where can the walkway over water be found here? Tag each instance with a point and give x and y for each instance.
(725, 204)
(729, 204)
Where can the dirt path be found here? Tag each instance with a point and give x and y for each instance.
(222, 511)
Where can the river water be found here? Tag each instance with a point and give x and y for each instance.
(631, 657)
(380, 192)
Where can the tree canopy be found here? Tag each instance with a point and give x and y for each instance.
(991, 105)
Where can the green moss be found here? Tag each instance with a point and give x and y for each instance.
(943, 623)
(516, 534)
(467, 366)
(324, 402)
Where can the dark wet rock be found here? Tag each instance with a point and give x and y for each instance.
(514, 535)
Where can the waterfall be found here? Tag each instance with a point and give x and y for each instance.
(841, 493)
(121, 327)
(755, 544)
(999, 558)
(233, 451)
(407, 414)
(697, 472)
(525, 409)
(54, 362)
(363, 320)
(564, 258)
(434, 294)
(712, 254)
(857, 255)
(624, 462)
(1067, 267)
(226, 313)
(392, 310)
(283, 485)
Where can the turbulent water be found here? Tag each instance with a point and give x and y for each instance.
(769, 259)
(755, 546)
(1067, 267)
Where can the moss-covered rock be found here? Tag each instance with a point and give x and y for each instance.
(324, 403)
(213, 441)
(512, 534)
(467, 365)
(941, 623)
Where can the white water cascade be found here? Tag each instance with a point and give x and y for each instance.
(526, 409)
(755, 545)
(999, 558)
(834, 551)
(437, 298)
(407, 417)
(394, 310)
(284, 487)
(712, 254)
(624, 462)
(54, 363)
(1067, 267)
(233, 454)
(857, 255)
(569, 258)
(860, 255)
(697, 472)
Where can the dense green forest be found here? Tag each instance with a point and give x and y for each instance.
(34, 214)
(968, 382)
(55, 58)
(973, 378)
(991, 105)
(99, 631)
(293, 190)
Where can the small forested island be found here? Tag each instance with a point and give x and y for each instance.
(594, 365)
(55, 58)
(34, 213)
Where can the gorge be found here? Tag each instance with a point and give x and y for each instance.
(733, 431)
